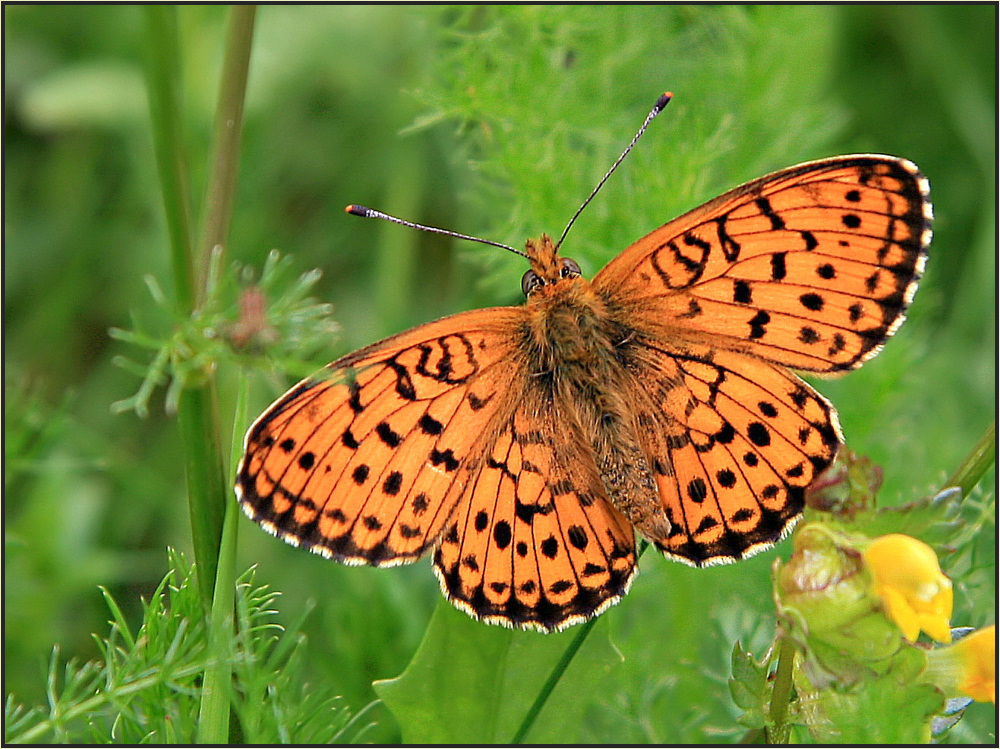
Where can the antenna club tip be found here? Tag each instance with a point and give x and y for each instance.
(664, 100)
(357, 210)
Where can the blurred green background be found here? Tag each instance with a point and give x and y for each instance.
(494, 121)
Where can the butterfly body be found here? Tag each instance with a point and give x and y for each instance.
(578, 356)
(525, 446)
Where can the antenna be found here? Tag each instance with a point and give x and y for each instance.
(661, 103)
(360, 210)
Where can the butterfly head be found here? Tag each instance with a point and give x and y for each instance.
(547, 267)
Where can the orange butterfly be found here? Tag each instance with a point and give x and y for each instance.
(524, 446)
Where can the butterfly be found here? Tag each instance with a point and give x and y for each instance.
(524, 447)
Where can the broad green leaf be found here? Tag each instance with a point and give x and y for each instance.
(473, 683)
(748, 687)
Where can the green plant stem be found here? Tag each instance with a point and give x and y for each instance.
(213, 714)
(198, 416)
(559, 670)
(550, 683)
(164, 92)
(196, 411)
(207, 489)
(977, 463)
(779, 730)
(226, 136)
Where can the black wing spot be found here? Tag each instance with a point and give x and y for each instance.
(385, 433)
(550, 547)
(778, 270)
(851, 220)
(306, 461)
(577, 536)
(502, 534)
(759, 434)
(445, 457)
(429, 425)
(812, 301)
(360, 474)
(355, 399)
(726, 434)
(741, 292)
(419, 504)
(758, 324)
(706, 523)
(482, 520)
(697, 490)
(392, 483)
(727, 479)
(560, 586)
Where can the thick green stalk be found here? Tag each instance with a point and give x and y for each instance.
(196, 411)
(213, 715)
(983, 456)
(226, 136)
(208, 489)
(781, 693)
(164, 91)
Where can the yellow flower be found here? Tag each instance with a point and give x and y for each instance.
(914, 592)
(968, 667)
(978, 652)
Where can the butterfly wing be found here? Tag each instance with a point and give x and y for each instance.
(434, 437)
(535, 542)
(733, 442)
(366, 462)
(811, 267)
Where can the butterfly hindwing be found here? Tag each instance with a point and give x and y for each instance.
(534, 541)
(733, 441)
(364, 463)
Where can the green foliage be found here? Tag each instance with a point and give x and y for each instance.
(238, 323)
(490, 120)
(748, 686)
(468, 683)
(145, 687)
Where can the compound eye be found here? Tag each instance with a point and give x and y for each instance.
(529, 282)
(569, 268)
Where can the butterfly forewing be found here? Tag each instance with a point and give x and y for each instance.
(364, 463)
(811, 267)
